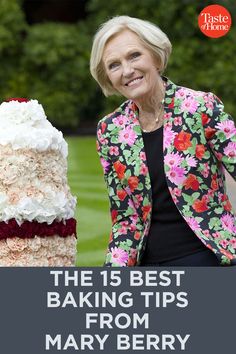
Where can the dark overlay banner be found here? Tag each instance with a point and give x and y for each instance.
(112, 310)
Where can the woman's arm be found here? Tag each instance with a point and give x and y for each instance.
(125, 236)
(220, 132)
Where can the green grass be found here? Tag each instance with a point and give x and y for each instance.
(92, 214)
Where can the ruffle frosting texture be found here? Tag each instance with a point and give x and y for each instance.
(33, 185)
(51, 251)
(24, 125)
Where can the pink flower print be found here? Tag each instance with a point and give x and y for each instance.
(99, 133)
(208, 98)
(127, 135)
(124, 223)
(233, 242)
(120, 120)
(175, 200)
(119, 256)
(220, 182)
(167, 115)
(134, 218)
(216, 234)
(191, 161)
(221, 196)
(173, 196)
(206, 233)
(192, 222)
(139, 197)
(132, 228)
(196, 93)
(105, 165)
(205, 171)
(129, 107)
(135, 120)
(224, 243)
(227, 222)
(178, 121)
(123, 230)
(169, 137)
(114, 150)
(206, 198)
(210, 193)
(142, 156)
(209, 105)
(177, 192)
(143, 169)
(103, 140)
(128, 190)
(230, 150)
(176, 175)
(131, 111)
(218, 154)
(168, 125)
(189, 105)
(173, 159)
(131, 204)
(133, 252)
(227, 127)
(182, 93)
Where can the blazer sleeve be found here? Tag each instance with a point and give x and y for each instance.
(125, 236)
(220, 132)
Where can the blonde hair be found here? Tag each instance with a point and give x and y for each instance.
(151, 36)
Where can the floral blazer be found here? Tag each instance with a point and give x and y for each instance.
(199, 141)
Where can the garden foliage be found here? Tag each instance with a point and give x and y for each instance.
(50, 61)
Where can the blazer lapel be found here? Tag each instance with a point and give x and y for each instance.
(179, 145)
(135, 177)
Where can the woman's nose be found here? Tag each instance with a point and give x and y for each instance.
(128, 70)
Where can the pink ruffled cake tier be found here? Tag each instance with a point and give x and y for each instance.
(38, 244)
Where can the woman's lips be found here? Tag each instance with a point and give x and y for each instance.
(134, 81)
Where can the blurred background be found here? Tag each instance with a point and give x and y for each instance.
(44, 54)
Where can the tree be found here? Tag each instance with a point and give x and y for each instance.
(197, 61)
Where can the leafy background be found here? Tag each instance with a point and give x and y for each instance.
(49, 61)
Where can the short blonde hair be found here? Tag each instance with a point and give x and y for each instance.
(151, 36)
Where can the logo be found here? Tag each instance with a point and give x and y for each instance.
(214, 21)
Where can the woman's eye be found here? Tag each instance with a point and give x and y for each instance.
(135, 55)
(113, 66)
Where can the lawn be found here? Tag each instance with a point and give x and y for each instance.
(92, 214)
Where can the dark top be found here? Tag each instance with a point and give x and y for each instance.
(169, 236)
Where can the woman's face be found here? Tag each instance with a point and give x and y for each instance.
(130, 66)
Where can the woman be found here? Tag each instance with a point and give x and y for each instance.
(163, 152)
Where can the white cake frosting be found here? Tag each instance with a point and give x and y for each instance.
(25, 125)
(55, 206)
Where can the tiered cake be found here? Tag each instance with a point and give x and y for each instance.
(37, 225)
